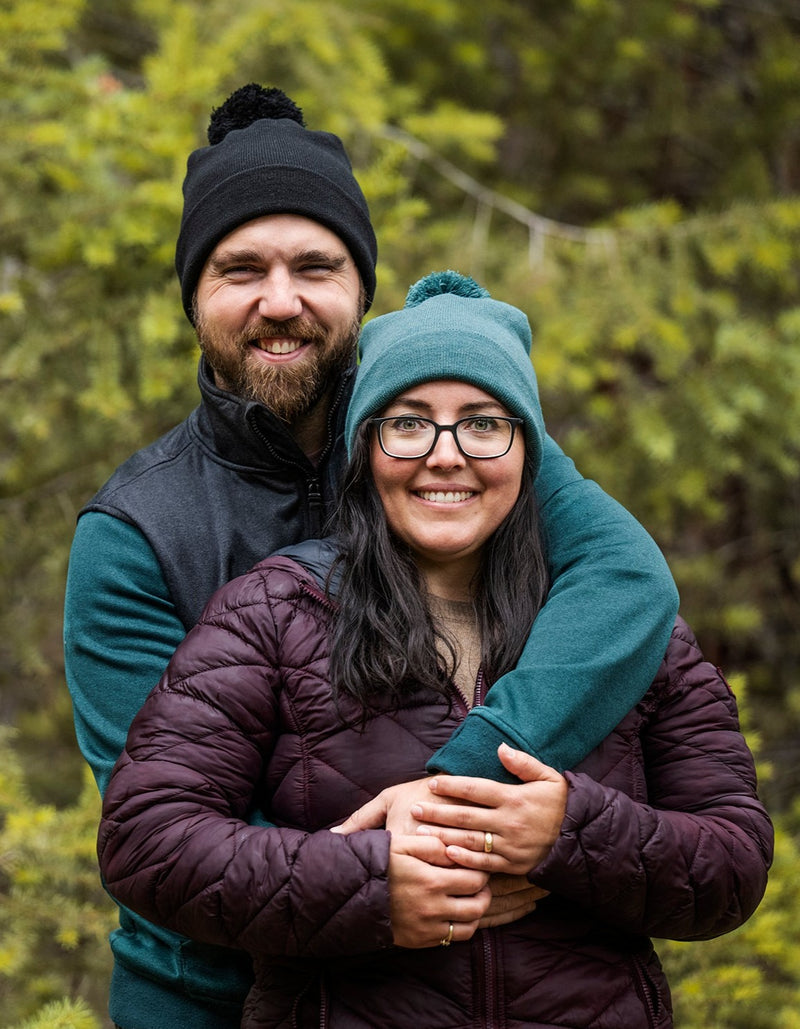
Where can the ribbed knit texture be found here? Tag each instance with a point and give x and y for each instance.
(469, 338)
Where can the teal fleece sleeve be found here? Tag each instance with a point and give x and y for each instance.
(120, 630)
(595, 645)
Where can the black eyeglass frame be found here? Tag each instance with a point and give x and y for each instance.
(439, 429)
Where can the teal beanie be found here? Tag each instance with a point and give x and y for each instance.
(449, 328)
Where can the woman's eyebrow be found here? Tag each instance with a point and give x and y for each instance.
(469, 408)
(482, 405)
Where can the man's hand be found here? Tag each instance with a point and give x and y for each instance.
(428, 895)
(513, 897)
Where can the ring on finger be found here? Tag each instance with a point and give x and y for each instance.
(447, 939)
(488, 843)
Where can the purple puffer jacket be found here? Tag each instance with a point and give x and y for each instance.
(664, 834)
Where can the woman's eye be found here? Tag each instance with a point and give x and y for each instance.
(407, 425)
(481, 425)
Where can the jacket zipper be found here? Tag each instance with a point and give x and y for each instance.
(491, 1018)
(323, 1003)
(490, 1014)
(316, 594)
(646, 989)
(477, 699)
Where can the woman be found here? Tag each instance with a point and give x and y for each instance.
(333, 672)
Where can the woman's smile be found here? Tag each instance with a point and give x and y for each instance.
(445, 494)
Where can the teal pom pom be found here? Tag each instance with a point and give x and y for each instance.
(438, 283)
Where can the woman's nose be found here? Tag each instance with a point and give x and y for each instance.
(446, 453)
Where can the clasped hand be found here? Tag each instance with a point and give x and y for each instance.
(444, 868)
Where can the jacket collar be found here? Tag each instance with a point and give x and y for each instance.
(248, 433)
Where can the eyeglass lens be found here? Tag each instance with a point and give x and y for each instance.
(482, 436)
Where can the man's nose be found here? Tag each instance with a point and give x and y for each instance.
(279, 297)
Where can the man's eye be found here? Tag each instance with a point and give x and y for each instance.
(238, 271)
(316, 269)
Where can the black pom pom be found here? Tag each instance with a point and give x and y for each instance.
(436, 283)
(248, 104)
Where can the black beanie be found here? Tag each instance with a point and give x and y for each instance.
(263, 160)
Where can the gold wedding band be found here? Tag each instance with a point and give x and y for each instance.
(488, 843)
(448, 939)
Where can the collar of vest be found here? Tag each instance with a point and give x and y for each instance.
(247, 433)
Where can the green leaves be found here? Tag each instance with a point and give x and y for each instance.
(54, 915)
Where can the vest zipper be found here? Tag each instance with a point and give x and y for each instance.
(316, 503)
(315, 506)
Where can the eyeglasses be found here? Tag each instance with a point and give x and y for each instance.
(482, 436)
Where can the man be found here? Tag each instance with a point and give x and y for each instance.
(276, 258)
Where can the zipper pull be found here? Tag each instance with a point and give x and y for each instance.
(315, 506)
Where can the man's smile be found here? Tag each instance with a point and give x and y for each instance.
(279, 349)
(279, 346)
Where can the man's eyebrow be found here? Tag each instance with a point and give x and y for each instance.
(246, 255)
(228, 257)
(336, 261)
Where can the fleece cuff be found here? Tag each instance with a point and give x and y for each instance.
(472, 750)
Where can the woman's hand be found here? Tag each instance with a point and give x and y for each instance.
(391, 809)
(495, 827)
(431, 901)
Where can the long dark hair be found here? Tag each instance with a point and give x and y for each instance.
(384, 638)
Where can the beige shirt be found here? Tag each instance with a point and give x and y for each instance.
(457, 619)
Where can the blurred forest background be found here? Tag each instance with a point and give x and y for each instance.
(626, 172)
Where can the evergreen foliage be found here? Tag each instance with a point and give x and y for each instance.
(54, 915)
(629, 174)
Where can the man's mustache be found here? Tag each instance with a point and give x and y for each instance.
(300, 328)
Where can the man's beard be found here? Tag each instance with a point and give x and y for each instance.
(291, 390)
